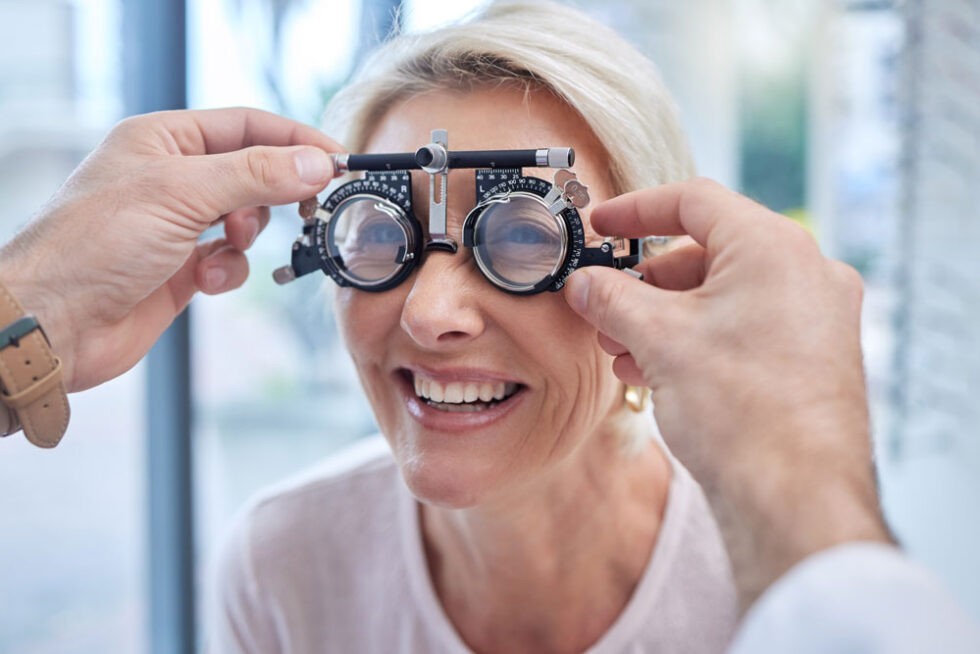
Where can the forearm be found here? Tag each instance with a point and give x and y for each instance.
(778, 509)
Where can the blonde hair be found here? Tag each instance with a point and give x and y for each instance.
(538, 45)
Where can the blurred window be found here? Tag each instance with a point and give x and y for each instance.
(71, 556)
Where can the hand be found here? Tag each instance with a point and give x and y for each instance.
(750, 341)
(114, 257)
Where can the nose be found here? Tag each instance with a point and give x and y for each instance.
(442, 309)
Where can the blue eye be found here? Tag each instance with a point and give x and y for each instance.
(382, 233)
(524, 234)
(518, 243)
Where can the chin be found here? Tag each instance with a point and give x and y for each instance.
(445, 484)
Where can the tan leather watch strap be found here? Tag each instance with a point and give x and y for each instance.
(30, 376)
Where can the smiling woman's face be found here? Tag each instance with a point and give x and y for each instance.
(446, 335)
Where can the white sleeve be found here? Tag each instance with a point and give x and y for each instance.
(860, 598)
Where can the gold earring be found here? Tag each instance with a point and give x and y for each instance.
(637, 398)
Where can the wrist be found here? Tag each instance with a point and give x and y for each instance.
(31, 373)
(38, 299)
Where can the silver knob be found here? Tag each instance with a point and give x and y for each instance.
(283, 275)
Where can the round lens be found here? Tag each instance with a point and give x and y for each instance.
(368, 240)
(518, 244)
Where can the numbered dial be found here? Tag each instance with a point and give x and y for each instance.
(522, 244)
(366, 234)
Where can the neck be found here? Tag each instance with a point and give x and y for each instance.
(555, 562)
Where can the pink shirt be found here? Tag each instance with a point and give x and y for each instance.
(333, 562)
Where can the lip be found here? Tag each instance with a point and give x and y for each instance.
(434, 419)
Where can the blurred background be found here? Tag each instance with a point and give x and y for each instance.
(860, 118)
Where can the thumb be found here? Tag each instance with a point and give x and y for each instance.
(262, 175)
(618, 305)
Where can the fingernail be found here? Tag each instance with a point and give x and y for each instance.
(313, 166)
(215, 278)
(251, 230)
(577, 290)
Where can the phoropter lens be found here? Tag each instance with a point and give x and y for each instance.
(518, 243)
(368, 240)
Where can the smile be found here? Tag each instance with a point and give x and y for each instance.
(462, 396)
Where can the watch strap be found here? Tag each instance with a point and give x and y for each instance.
(31, 384)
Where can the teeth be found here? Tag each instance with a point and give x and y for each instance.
(453, 393)
(461, 392)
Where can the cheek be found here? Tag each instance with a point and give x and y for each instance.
(578, 372)
(597, 383)
(593, 401)
(581, 395)
(346, 309)
(365, 321)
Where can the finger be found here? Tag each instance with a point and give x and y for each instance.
(215, 131)
(180, 288)
(676, 270)
(611, 346)
(622, 307)
(626, 369)
(255, 176)
(222, 270)
(242, 226)
(697, 207)
(161, 306)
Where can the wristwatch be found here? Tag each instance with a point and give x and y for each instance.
(31, 387)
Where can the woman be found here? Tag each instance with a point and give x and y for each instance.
(548, 519)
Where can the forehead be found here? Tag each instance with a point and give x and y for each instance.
(502, 118)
